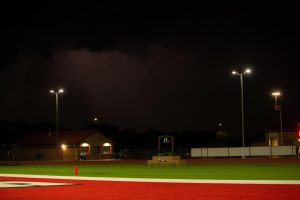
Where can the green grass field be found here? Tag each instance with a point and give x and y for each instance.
(204, 171)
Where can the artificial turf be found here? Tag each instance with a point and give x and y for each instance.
(204, 171)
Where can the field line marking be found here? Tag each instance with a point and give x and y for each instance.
(157, 180)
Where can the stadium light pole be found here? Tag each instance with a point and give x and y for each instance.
(56, 93)
(247, 71)
(277, 94)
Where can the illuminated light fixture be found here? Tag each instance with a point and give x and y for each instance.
(64, 147)
(85, 145)
(276, 93)
(106, 144)
(236, 73)
(277, 106)
(56, 93)
(248, 71)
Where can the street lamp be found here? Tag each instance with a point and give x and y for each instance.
(277, 106)
(220, 131)
(57, 92)
(247, 71)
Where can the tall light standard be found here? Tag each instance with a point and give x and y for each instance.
(57, 92)
(277, 106)
(247, 71)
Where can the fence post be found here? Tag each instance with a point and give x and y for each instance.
(250, 151)
(228, 151)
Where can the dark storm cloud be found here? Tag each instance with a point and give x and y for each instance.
(147, 66)
(44, 27)
(124, 89)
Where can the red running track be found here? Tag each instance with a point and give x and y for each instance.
(113, 190)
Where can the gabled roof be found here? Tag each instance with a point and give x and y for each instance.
(49, 138)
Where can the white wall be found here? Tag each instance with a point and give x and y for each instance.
(246, 151)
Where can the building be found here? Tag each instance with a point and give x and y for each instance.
(273, 138)
(72, 145)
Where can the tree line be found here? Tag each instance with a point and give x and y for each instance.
(130, 138)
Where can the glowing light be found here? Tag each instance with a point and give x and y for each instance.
(276, 93)
(248, 71)
(64, 147)
(106, 144)
(85, 145)
(59, 91)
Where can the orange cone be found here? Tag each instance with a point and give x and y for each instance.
(75, 170)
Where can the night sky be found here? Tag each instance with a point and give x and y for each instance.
(149, 66)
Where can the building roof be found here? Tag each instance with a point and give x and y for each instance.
(49, 138)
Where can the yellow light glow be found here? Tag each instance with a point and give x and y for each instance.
(64, 147)
(106, 144)
(234, 72)
(85, 145)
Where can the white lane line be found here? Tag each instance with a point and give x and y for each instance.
(156, 180)
(19, 184)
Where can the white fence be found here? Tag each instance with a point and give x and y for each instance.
(246, 151)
